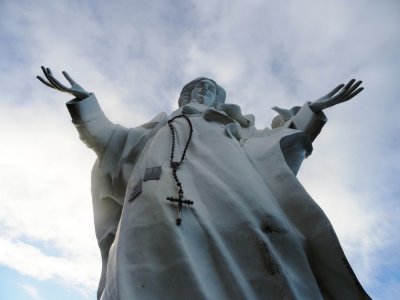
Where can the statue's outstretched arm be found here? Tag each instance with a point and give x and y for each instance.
(75, 89)
(93, 126)
(341, 93)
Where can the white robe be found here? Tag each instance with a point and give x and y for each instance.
(253, 231)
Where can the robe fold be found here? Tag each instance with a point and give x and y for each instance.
(253, 231)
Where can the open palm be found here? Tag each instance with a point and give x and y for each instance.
(75, 89)
(341, 93)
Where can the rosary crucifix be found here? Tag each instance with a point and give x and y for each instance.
(175, 166)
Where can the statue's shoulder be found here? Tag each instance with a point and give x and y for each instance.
(161, 118)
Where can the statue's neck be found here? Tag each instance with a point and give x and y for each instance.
(233, 111)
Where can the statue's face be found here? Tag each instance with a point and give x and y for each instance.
(204, 92)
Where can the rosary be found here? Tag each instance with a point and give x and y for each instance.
(175, 166)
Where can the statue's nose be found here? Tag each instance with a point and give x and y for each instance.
(205, 86)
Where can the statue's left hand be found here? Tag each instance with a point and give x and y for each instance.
(341, 93)
(75, 89)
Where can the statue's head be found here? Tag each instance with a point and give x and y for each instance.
(203, 90)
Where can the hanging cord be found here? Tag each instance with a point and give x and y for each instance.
(175, 166)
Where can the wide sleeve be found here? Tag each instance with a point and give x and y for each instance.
(110, 176)
(117, 149)
(94, 128)
(307, 121)
(305, 125)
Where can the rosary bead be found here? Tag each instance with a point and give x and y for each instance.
(176, 164)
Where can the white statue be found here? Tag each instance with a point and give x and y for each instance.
(202, 205)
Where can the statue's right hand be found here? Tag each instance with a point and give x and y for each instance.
(75, 89)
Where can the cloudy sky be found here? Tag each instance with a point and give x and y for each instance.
(136, 55)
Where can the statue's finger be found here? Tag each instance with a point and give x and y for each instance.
(44, 71)
(44, 82)
(354, 87)
(335, 90)
(47, 73)
(51, 76)
(339, 95)
(356, 92)
(55, 82)
(349, 84)
(70, 80)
